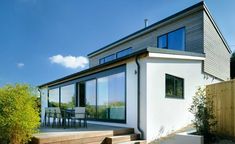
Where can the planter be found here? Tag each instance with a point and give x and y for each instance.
(188, 138)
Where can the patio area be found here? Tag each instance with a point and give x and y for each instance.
(92, 134)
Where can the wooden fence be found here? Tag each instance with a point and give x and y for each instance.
(223, 95)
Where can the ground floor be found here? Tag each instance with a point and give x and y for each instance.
(92, 134)
(151, 95)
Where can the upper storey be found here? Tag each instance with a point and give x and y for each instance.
(192, 29)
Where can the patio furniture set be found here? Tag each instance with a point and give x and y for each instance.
(58, 117)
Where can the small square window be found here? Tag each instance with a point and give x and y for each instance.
(174, 87)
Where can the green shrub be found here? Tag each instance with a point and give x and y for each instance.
(19, 116)
(202, 109)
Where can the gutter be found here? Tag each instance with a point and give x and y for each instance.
(138, 98)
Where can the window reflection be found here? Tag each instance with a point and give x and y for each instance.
(54, 97)
(176, 40)
(111, 97)
(104, 97)
(68, 96)
(173, 40)
(91, 98)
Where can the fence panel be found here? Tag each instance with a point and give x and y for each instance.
(223, 95)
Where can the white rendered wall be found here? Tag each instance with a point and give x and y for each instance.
(165, 115)
(44, 102)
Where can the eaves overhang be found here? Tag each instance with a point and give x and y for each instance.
(92, 69)
(149, 51)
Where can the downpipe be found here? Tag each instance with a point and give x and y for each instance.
(138, 98)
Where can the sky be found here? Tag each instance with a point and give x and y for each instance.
(42, 40)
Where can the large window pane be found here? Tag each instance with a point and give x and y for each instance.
(54, 97)
(117, 96)
(91, 98)
(111, 97)
(173, 40)
(102, 98)
(176, 40)
(68, 96)
(162, 41)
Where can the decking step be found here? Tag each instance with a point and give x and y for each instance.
(135, 142)
(121, 138)
(124, 131)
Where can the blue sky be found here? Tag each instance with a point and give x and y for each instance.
(42, 40)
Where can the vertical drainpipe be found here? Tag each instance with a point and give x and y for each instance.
(138, 98)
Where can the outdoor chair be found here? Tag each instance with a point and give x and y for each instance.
(46, 116)
(66, 117)
(80, 115)
(57, 117)
(49, 114)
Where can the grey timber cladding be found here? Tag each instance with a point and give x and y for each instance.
(193, 23)
(217, 62)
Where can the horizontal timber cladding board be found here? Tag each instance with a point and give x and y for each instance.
(193, 24)
(217, 62)
(223, 96)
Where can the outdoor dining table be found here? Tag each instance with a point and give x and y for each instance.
(66, 115)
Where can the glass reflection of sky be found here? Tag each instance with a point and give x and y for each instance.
(54, 95)
(91, 92)
(67, 93)
(111, 89)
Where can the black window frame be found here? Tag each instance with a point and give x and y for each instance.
(166, 34)
(174, 95)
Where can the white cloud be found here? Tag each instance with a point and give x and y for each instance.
(72, 62)
(20, 65)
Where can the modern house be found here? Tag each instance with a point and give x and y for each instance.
(147, 79)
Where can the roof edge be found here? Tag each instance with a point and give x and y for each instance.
(216, 27)
(142, 51)
(174, 52)
(149, 27)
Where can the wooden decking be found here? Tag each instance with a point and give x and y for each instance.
(94, 134)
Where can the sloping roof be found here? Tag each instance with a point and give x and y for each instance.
(94, 68)
(143, 51)
(145, 30)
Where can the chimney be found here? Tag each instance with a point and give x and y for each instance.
(146, 23)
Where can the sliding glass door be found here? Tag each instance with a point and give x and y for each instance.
(111, 97)
(68, 98)
(53, 98)
(103, 94)
(90, 91)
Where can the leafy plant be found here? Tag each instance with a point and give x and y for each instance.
(19, 116)
(202, 109)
